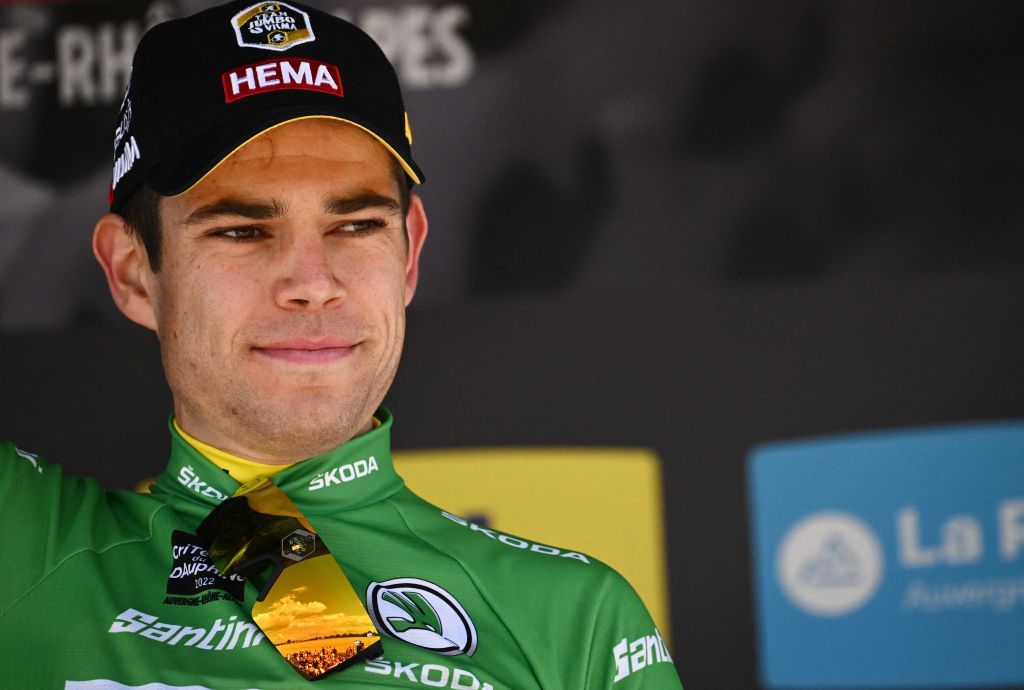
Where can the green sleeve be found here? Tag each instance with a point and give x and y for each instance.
(46, 517)
(25, 524)
(627, 651)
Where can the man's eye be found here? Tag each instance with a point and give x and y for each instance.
(240, 233)
(362, 226)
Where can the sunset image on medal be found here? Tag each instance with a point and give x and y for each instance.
(317, 622)
(307, 607)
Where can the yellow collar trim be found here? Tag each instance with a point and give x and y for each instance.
(240, 469)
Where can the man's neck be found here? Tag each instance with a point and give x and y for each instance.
(241, 469)
(251, 450)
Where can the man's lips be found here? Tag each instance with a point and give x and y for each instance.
(305, 351)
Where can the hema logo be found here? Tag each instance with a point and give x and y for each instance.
(829, 564)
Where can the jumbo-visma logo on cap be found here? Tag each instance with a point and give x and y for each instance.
(272, 26)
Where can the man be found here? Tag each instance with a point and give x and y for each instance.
(262, 225)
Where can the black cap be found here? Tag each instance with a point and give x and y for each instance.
(202, 86)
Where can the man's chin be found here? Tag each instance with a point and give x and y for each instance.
(300, 441)
(304, 425)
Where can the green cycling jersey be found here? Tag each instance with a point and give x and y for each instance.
(110, 589)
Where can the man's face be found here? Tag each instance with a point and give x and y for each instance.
(280, 302)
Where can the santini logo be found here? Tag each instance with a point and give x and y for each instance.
(344, 473)
(829, 564)
(220, 636)
(638, 654)
(287, 73)
(421, 613)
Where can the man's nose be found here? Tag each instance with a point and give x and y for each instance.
(308, 278)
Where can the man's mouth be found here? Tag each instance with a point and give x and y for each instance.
(307, 351)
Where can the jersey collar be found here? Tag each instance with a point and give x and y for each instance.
(353, 475)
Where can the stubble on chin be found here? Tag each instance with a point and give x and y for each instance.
(247, 412)
(266, 425)
(289, 430)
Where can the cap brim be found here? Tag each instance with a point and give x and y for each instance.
(179, 173)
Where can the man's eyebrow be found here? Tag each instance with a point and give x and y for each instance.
(350, 204)
(255, 210)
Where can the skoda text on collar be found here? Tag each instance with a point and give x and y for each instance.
(344, 473)
(303, 74)
(188, 478)
(516, 542)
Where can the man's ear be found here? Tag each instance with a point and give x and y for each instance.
(416, 230)
(126, 264)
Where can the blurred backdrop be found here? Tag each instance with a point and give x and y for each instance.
(685, 227)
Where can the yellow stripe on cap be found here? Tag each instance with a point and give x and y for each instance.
(405, 166)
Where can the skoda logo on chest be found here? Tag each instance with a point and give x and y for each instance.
(423, 614)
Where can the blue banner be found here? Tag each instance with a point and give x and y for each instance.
(891, 559)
